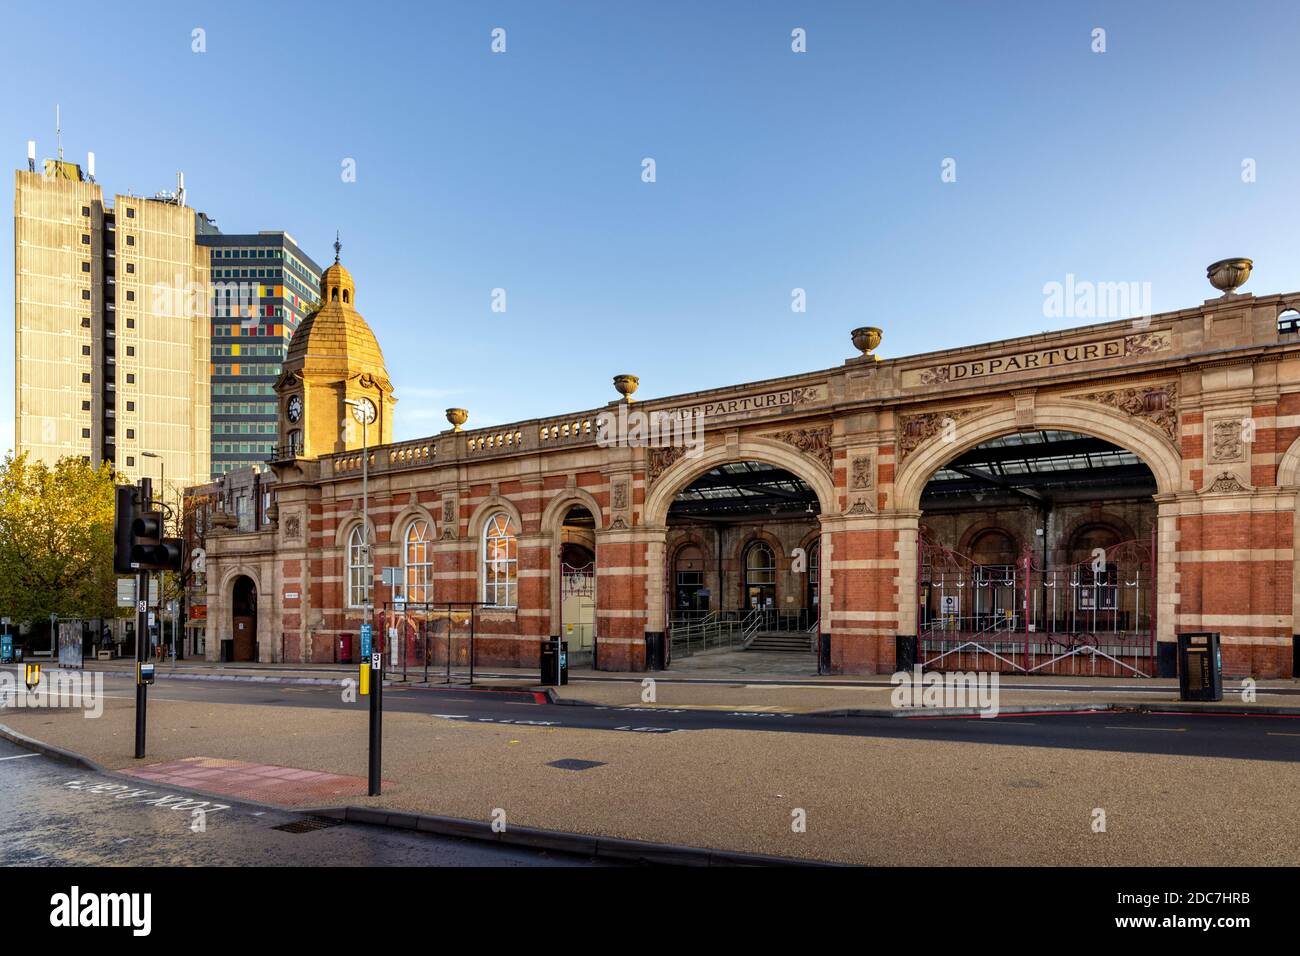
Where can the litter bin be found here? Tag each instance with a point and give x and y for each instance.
(550, 662)
(904, 652)
(1200, 666)
(654, 651)
(345, 649)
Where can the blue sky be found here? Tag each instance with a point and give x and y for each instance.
(775, 170)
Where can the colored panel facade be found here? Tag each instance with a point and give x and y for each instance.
(262, 287)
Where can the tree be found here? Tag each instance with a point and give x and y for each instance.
(56, 539)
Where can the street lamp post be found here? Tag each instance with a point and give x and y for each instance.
(363, 410)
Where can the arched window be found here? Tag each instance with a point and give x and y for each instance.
(359, 576)
(760, 576)
(418, 561)
(500, 561)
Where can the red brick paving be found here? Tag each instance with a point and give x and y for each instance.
(267, 783)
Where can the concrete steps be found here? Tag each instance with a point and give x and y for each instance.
(791, 641)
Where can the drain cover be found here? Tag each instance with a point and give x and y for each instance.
(307, 824)
(570, 763)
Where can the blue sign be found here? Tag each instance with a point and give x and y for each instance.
(6, 648)
(365, 641)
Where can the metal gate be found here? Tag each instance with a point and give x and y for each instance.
(1093, 618)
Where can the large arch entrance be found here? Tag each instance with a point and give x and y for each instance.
(243, 624)
(738, 572)
(1037, 554)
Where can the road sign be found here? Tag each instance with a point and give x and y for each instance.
(365, 640)
(375, 661)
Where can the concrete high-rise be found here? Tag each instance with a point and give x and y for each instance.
(111, 327)
(263, 286)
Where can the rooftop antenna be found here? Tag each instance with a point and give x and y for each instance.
(31, 155)
(338, 246)
(90, 166)
(58, 130)
(180, 188)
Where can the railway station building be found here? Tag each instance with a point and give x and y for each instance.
(1062, 503)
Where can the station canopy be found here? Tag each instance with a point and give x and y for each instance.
(1039, 465)
(744, 491)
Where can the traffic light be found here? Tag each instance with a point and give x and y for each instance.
(138, 537)
(123, 516)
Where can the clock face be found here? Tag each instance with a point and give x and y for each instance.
(295, 408)
(364, 411)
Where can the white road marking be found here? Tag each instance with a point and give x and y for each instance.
(1171, 730)
(1280, 733)
(19, 756)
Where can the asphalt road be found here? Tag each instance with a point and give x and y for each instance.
(51, 815)
(1274, 738)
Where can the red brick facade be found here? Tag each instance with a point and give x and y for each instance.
(1208, 398)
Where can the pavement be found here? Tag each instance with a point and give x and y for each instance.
(1171, 789)
(71, 817)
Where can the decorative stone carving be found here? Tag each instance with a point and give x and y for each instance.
(619, 524)
(1145, 343)
(449, 520)
(1157, 405)
(660, 460)
(1226, 441)
(814, 442)
(1226, 482)
(292, 528)
(915, 429)
(860, 506)
(618, 500)
(861, 472)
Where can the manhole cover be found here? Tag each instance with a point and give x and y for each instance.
(307, 824)
(571, 763)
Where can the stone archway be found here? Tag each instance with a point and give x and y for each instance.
(1155, 450)
(243, 619)
(1288, 479)
(675, 478)
(664, 488)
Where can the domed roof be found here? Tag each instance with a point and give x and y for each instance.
(335, 338)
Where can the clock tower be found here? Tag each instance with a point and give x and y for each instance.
(333, 359)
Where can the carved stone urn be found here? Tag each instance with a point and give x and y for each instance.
(866, 339)
(1227, 275)
(626, 385)
(457, 417)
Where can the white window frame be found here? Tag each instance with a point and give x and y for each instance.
(500, 576)
(360, 577)
(418, 574)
